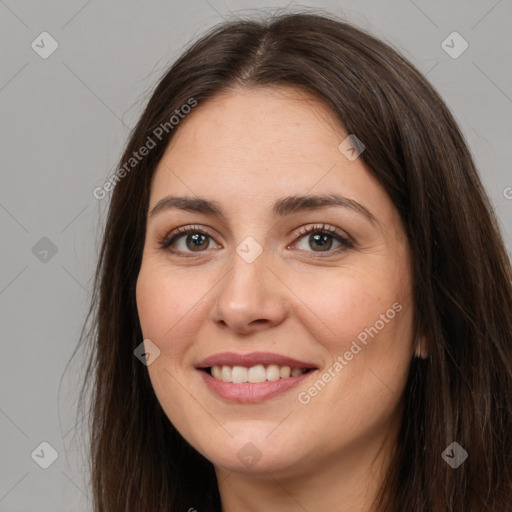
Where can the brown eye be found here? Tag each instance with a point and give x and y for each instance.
(196, 241)
(186, 240)
(322, 238)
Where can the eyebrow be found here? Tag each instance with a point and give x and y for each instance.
(282, 207)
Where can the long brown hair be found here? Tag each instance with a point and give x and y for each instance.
(462, 275)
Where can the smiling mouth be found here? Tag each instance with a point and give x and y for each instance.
(254, 374)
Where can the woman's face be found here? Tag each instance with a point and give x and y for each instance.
(250, 287)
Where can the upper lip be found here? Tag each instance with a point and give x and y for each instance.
(252, 359)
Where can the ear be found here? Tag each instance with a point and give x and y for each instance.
(421, 350)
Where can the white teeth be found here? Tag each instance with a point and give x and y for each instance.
(273, 372)
(254, 374)
(257, 374)
(239, 374)
(217, 372)
(226, 373)
(284, 372)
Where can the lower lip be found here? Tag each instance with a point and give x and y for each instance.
(248, 392)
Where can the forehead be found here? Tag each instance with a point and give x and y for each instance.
(249, 145)
(239, 123)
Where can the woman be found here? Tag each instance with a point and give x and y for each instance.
(303, 299)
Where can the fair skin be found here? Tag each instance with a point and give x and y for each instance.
(246, 149)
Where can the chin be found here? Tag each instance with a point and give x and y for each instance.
(254, 454)
(251, 462)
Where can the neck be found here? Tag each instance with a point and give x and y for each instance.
(342, 482)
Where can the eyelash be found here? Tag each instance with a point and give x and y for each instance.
(169, 239)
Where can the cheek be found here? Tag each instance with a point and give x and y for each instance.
(348, 302)
(168, 303)
(166, 313)
(152, 302)
(158, 303)
(369, 312)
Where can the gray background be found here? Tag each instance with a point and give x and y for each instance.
(64, 122)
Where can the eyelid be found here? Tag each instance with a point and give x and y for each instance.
(169, 238)
(346, 241)
(343, 238)
(321, 227)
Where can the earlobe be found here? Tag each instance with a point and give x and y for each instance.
(420, 348)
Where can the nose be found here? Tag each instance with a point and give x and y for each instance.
(250, 297)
